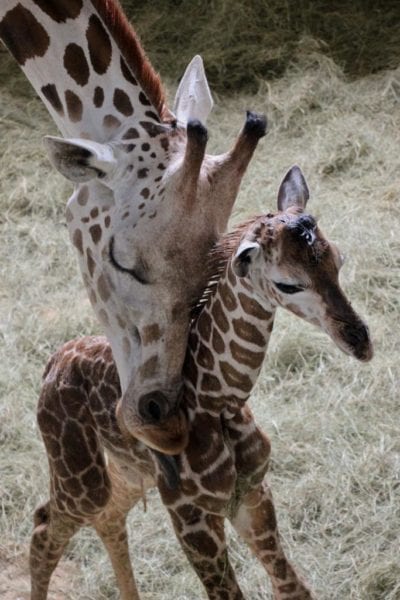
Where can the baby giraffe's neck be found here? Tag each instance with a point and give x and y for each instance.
(227, 346)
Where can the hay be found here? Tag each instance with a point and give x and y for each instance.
(244, 43)
(333, 422)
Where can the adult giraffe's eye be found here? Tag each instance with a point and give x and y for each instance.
(138, 272)
(287, 288)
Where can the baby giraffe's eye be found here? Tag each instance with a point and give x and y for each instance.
(287, 288)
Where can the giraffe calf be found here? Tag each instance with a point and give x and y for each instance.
(276, 259)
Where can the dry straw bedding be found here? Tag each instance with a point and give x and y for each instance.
(333, 422)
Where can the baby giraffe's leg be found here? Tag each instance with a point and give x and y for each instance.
(110, 525)
(202, 538)
(51, 534)
(256, 522)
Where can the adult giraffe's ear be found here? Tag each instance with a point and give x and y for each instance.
(244, 257)
(193, 98)
(293, 190)
(80, 160)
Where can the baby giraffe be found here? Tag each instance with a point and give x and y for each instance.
(279, 259)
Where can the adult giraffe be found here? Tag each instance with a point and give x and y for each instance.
(148, 203)
(277, 259)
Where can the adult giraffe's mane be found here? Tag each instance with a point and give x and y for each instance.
(131, 49)
(217, 260)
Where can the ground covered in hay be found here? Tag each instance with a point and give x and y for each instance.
(333, 422)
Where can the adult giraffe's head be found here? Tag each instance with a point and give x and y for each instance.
(290, 263)
(148, 202)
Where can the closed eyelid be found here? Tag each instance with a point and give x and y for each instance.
(136, 273)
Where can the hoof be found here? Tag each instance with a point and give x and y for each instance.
(196, 130)
(256, 124)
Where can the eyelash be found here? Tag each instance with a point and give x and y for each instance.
(288, 289)
(117, 266)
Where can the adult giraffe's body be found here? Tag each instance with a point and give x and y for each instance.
(148, 203)
(279, 259)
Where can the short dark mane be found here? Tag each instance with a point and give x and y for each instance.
(128, 43)
(218, 258)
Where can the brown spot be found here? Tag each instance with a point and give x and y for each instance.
(253, 308)
(141, 205)
(210, 383)
(103, 316)
(217, 341)
(99, 45)
(220, 479)
(219, 316)
(90, 262)
(201, 543)
(152, 129)
(76, 452)
(164, 143)
(122, 102)
(152, 115)
(235, 379)
(143, 99)
(83, 195)
(145, 147)
(69, 215)
(75, 64)
(162, 167)
(143, 172)
(49, 91)
(126, 345)
(77, 240)
(103, 288)
(189, 513)
(95, 232)
(126, 72)
(94, 212)
(131, 134)
(154, 214)
(280, 568)
(204, 325)
(74, 106)
(23, 35)
(111, 121)
(227, 296)
(107, 221)
(149, 368)
(205, 357)
(121, 322)
(93, 478)
(248, 332)
(98, 97)
(92, 297)
(145, 193)
(150, 334)
(190, 368)
(245, 356)
(61, 10)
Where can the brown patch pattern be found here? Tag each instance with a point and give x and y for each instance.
(98, 96)
(75, 64)
(32, 39)
(74, 106)
(122, 102)
(61, 10)
(248, 332)
(49, 91)
(99, 44)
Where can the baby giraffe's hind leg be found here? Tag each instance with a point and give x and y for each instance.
(51, 534)
(255, 521)
(110, 525)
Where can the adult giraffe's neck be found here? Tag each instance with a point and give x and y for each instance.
(85, 63)
(227, 345)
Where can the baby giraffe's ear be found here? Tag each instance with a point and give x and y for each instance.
(244, 257)
(293, 190)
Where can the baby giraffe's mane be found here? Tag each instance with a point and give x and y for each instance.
(217, 260)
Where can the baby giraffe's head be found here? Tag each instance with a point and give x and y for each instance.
(289, 263)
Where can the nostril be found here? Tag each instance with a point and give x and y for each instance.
(154, 410)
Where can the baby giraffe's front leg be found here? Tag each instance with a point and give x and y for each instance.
(202, 538)
(255, 521)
